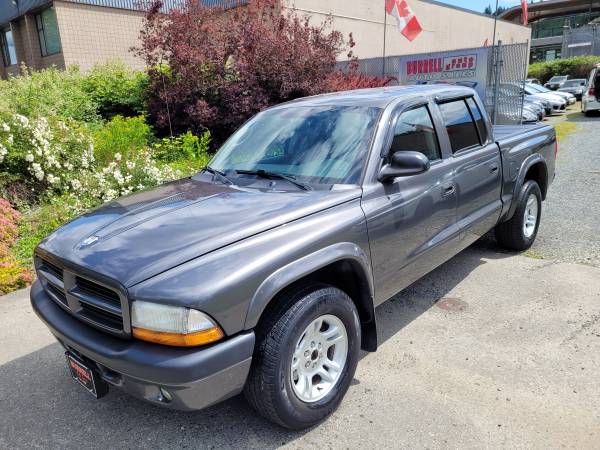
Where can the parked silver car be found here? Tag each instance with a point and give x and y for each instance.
(575, 87)
(558, 102)
(556, 82)
(569, 98)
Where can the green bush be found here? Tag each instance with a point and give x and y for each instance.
(576, 67)
(122, 136)
(116, 89)
(48, 92)
(183, 147)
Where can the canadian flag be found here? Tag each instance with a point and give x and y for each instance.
(407, 21)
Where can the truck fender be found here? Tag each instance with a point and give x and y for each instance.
(529, 162)
(308, 264)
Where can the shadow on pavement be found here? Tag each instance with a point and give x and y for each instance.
(42, 406)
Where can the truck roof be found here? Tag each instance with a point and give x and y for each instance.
(379, 97)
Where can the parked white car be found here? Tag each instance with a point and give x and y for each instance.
(590, 100)
(557, 102)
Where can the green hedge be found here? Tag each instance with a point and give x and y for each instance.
(576, 67)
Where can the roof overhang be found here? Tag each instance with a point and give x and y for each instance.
(13, 9)
(549, 8)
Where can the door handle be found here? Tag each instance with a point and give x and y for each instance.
(494, 168)
(448, 190)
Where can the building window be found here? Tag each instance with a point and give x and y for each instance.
(9, 55)
(47, 29)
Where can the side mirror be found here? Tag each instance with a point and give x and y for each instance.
(403, 164)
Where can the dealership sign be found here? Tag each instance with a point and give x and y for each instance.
(463, 67)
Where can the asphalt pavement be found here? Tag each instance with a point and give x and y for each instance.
(490, 350)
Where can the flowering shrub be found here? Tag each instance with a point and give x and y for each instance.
(56, 157)
(46, 153)
(8, 222)
(12, 274)
(122, 177)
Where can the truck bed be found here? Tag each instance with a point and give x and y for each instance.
(503, 133)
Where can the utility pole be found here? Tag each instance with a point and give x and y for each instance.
(495, 22)
(384, 29)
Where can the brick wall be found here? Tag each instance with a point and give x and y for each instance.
(92, 34)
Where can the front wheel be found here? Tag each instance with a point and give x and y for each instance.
(305, 358)
(520, 231)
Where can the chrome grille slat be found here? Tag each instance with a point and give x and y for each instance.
(88, 299)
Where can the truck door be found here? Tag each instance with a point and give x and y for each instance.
(411, 219)
(478, 168)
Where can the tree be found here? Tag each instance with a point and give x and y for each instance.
(211, 68)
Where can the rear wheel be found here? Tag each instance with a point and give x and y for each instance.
(305, 358)
(520, 231)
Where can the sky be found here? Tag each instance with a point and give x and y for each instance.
(479, 5)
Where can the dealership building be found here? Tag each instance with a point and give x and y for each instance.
(561, 28)
(43, 33)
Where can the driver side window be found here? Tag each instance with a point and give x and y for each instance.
(414, 131)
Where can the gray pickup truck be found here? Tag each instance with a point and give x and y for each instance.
(261, 273)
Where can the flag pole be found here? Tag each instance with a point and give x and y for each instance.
(495, 21)
(384, 29)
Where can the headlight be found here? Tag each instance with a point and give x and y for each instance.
(172, 325)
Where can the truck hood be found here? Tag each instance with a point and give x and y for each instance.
(136, 237)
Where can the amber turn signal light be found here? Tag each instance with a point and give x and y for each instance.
(179, 340)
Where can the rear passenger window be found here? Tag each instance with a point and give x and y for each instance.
(459, 123)
(415, 131)
(476, 113)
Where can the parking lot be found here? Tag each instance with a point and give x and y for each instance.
(491, 350)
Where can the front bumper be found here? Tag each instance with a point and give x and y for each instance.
(194, 377)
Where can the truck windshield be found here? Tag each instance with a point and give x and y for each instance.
(321, 144)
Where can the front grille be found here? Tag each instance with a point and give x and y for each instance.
(90, 301)
(57, 294)
(54, 270)
(106, 318)
(99, 291)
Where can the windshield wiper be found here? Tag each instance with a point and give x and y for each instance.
(219, 174)
(274, 175)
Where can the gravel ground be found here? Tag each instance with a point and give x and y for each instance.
(570, 228)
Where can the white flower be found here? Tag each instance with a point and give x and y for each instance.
(5, 127)
(24, 120)
(29, 157)
(52, 179)
(118, 157)
(37, 171)
(10, 139)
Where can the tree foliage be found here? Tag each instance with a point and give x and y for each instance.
(212, 68)
(576, 67)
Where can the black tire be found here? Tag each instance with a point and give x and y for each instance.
(510, 234)
(268, 388)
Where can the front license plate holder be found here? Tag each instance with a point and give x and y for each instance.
(86, 376)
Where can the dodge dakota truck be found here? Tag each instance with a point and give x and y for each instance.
(261, 273)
